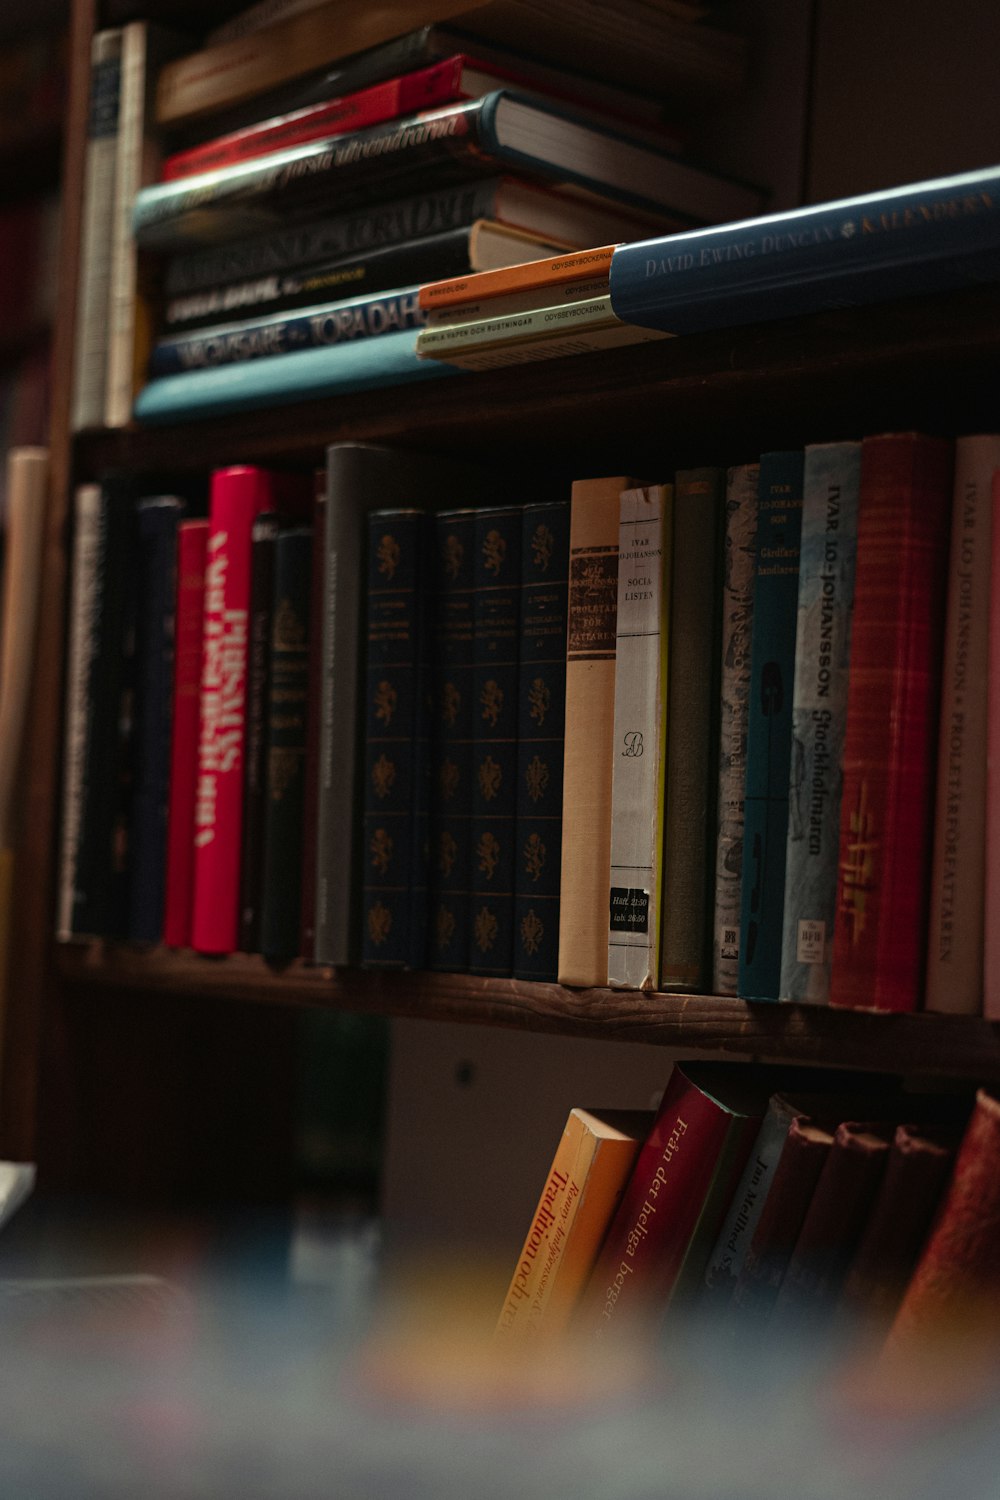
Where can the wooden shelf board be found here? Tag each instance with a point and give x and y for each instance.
(920, 1044)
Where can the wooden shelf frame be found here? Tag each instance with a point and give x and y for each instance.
(909, 1044)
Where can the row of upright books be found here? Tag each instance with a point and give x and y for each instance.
(691, 736)
(776, 1207)
(431, 150)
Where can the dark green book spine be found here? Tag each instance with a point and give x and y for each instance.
(451, 770)
(394, 851)
(692, 730)
(285, 759)
(541, 737)
(497, 620)
(769, 723)
(263, 541)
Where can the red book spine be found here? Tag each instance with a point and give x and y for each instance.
(237, 496)
(438, 84)
(192, 545)
(891, 736)
(991, 926)
(649, 1237)
(956, 1285)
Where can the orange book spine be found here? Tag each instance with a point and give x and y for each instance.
(581, 265)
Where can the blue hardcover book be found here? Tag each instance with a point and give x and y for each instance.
(769, 724)
(496, 650)
(739, 565)
(155, 563)
(819, 715)
(922, 237)
(500, 131)
(198, 395)
(397, 729)
(451, 745)
(541, 719)
(322, 326)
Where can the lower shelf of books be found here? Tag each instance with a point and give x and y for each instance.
(722, 1025)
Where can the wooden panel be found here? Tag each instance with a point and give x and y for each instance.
(695, 1023)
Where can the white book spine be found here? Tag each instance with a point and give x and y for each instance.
(93, 290)
(644, 544)
(955, 928)
(87, 526)
(129, 177)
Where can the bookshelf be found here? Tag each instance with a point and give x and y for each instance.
(932, 361)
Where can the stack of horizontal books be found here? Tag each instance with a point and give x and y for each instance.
(305, 193)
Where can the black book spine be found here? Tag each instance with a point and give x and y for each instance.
(494, 706)
(451, 778)
(344, 237)
(157, 520)
(264, 539)
(310, 811)
(287, 714)
(397, 723)
(541, 736)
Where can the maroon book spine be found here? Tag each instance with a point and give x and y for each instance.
(695, 1138)
(956, 1283)
(911, 1189)
(891, 736)
(192, 542)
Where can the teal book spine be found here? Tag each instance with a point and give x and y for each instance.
(286, 728)
(496, 649)
(396, 710)
(692, 718)
(451, 744)
(819, 716)
(726, 1261)
(541, 739)
(739, 566)
(200, 395)
(769, 724)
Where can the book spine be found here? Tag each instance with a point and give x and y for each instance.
(504, 303)
(880, 937)
(803, 1157)
(579, 268)
(496, 639)
(394, 886)
(263, 541)
(286, 725)
(691, 783)
(88, 542)
(237, 496)
(257, 18)
(452, 698)
(590, 721)
(726, 1261)
(957, 1277)
(431, 146)
(647, 1244)
(541, 718)
(317, 327)
(958, 872)
(346, 236)
(537, 322)
(435, 85)
(769, 724)
(93, 290)
(310, 809)
(157, 521)
(991, 895)
(27, 475)
(553, 345)
(645, 530)
(122, 269)
(192, 545)
(738, 572)
(929, 236)
(819, 713)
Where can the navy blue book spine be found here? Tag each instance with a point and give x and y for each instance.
(397, 725)
(451, 767)
(923, 237)
(769, 725)
(286, 728)
(541, 738)
(496, 651)
(157, 520)
(264, 537)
